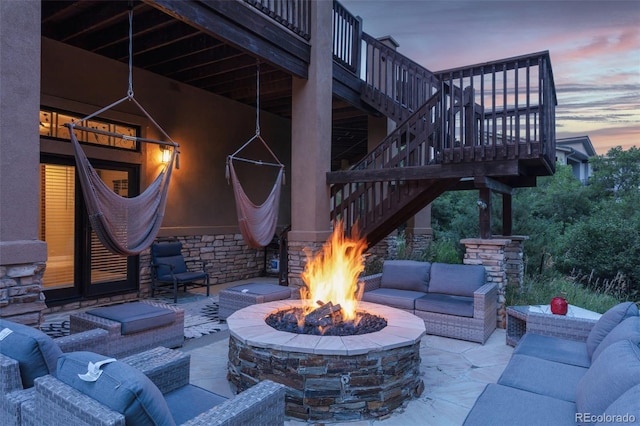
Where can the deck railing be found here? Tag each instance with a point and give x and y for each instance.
(394, 84)
(293, 14)
(503, 109)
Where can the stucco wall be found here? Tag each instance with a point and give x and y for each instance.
(207, 127)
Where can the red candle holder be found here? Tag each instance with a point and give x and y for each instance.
(559, 306)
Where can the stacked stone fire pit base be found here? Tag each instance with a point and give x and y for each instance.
(329, 378)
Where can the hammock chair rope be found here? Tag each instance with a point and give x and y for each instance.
(125, 226)
(257, 222)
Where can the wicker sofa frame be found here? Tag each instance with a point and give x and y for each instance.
(263, 404)
(119, 345)
(475, 329)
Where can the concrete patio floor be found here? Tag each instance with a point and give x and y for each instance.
(454, 373)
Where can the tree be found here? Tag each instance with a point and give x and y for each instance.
(617, 174)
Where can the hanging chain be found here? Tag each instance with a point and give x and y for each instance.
(257, 97)
(130, 91)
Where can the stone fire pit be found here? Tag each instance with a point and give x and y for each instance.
(329, 378)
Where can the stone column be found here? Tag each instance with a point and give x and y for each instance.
(514, 254)
(22, 255)
(491, 254)
(311, 145)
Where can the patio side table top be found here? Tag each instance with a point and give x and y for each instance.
(538, 319)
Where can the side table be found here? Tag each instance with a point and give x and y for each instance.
(538, 319)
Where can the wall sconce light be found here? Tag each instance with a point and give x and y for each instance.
(166, 153)
(482, 205)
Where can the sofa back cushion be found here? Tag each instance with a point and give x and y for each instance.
(627, 407)
(120, 387)
(405, 275)
(607, 322)
(458, 280)
(627, 329)
(614, 372)
(37, 354)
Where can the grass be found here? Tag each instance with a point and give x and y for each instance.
(540, 290)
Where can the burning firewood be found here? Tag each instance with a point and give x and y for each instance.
(324, 315)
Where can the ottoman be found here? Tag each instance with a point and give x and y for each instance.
(134, 327)
(241, 296)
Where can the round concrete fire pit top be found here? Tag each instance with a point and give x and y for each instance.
(248, 325)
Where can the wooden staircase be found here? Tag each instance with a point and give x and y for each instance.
(488, 126)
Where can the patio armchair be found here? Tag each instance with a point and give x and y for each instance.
(169, 270)
(137, 400)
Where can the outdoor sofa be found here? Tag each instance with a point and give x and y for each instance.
(453, 300)
(555, 381)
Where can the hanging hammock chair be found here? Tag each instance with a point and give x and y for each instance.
(257, 222)
(125, 226)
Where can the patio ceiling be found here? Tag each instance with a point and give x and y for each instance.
(183, 51)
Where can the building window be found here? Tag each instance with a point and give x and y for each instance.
(52, 125)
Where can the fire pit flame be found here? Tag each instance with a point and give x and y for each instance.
(332, 275)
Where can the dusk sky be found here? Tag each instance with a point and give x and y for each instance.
(594, 48)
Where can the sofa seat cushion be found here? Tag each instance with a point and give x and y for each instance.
(405, 275)
(607, 322)
(403, 299)
(554, 349)
(37, 354)
(627, 329)
(543, 377)
(458, 280)
(189, 401)
(446, 304)
(503, 405)
(137, 316)
(120, 387)
(613, 373)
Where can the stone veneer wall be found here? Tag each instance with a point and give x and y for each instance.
(514, 255)
(226, 258)
(21, 297)
(491, 254)
(331, 387)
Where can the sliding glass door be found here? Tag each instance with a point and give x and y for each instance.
(78, 265)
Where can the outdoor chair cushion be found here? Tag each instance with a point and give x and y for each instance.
(405, 275)
(402, 299)
(627, 329)
(120, 387)
(607, 322)
(458, 280)
(504, 405)
(553, 349)
(446, 304)
(136, 316)
(189, 401)
(614, 372)
(37, 354)
(543, 377)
